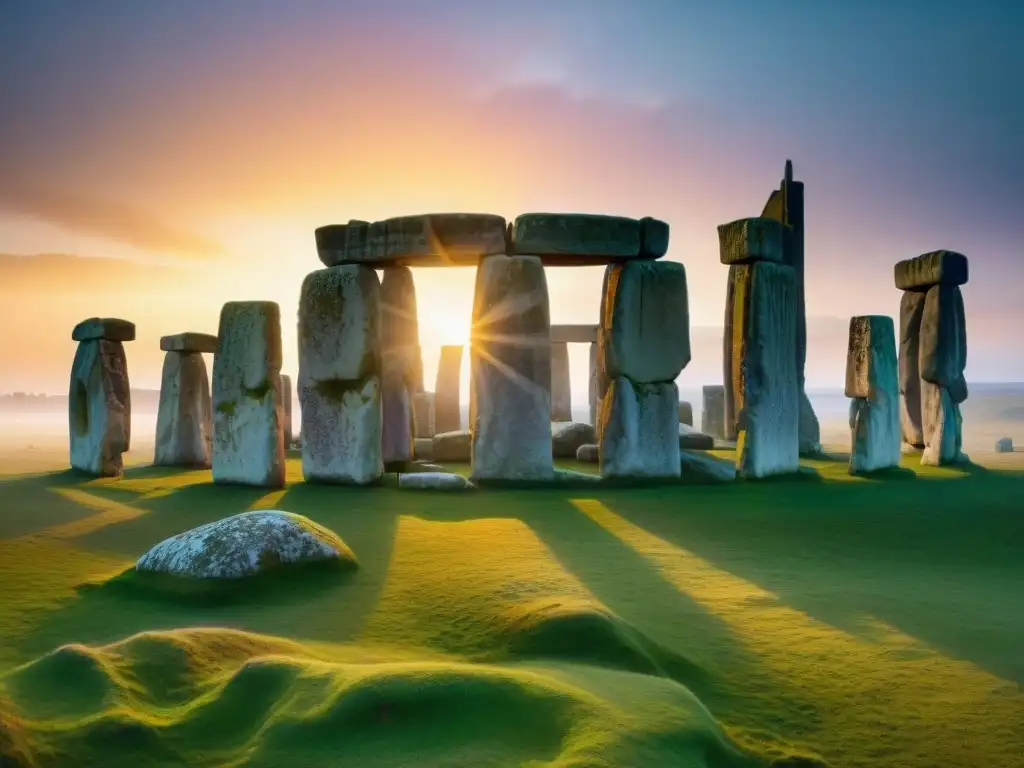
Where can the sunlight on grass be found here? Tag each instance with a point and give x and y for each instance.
(108, 512)
(270, 500)
(911, 705)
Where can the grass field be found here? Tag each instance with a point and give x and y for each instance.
(819, 620)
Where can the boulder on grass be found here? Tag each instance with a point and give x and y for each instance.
(433, 481)
(568, 436)
(588, 454)
(690, 438)
(245, 545)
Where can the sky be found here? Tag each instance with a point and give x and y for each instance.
(159, 159)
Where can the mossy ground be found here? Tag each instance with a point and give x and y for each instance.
(863, 622)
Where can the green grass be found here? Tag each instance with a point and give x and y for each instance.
(824, 619)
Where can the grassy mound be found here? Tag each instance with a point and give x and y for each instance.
(224, 697)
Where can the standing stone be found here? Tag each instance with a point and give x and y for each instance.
(592, 387)
(423, 410)
(761, 394)
(510, 365)
(872, 381)
(99, 399)
(340, 375)
(685, 413)
(402, 363)
(447, 413)
(942, 426)
(184, 422)
(561, 394)
(911, 311)
(712, 417)
(643, 345)
(286, 406)
(248, 433)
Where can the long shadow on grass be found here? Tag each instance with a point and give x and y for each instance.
(937, 559)
(702, 652)
(28, 504)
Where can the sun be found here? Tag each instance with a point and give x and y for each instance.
(444, 327)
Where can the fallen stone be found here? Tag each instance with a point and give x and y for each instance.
(911, 310)
(433, 481)
(639, 434)
(713, 411)
(575, 238)
(340, 371)
(106, 328)
(568, 436)
(184, 422)
(935, 268)
(685, 413)
(654, 237)
(456, 447)
(748, 240)
(248, 433)
(942, 427)
(645, 321)
(245, 545)
(99, 407)
(762, 389)
(691, 439)
(699, 467)
(510, 367)
(189, 341)
(1004, 445)
(588, 454)
(423, 448)
(573, 334)
(939, 345)
(573, 476)
(423, 410)
(286, 408)
(872, 380)
(447, 405)
(561, 393)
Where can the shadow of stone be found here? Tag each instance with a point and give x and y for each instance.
(28, 504)
(889, 473)
(153, 471)
(802, 475)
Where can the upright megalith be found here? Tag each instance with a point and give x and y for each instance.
(99, 400)
(286, 408)
(872, 383)
(248, 433)
(712, 417)
(423, 412)
(339, 382)
(447, 405)
(933, 353)
(401, 364)
(593, 398)
(644, 344)
(762, 398)
(184, 422)
(561, 394)
(510, 366)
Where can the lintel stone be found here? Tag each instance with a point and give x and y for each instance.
(753, 239)
(189, 342)
(935, 268)
(109, 328)
(574, 334)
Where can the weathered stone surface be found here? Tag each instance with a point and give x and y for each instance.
(99, 407)
(245, 545)
(935, 268)
(423, 410)
(875, 432)
(248, 434)
(588, 454)
(433, 481)
(574, 334)
(747, 240)
(942, 426)
(576, 238)
(568, 436)
(189, 342)
(712, 415)
(808, 429)
(639, 433)
(456, 446)
(510, 365)
(645, 321)
(340, 369)
(423, 447)
(447, 405)
(870, 356)
(654, 237)
(184, 422)
(561, 391)
(286, 409)
(699, 467)
(691, 439)
(1004, 445)
(939, 350)
(592, 383)
(398, 421)
(911, 311)
(685, 413)
(400, 335)
(762, 396)
(330, 244)
(107, 328)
